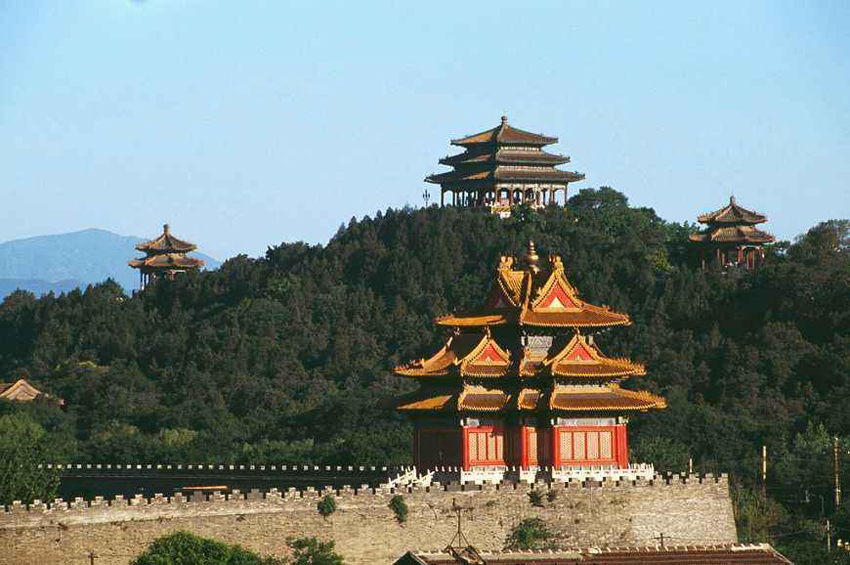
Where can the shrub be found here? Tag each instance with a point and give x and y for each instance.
(535, 498)
(310, 551)
(399, 508)
(531, 533)
(326, 506)
(183, 548)
(551, 496)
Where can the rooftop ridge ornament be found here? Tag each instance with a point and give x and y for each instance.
(531, 258)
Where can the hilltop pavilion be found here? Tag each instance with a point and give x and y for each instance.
(504, 166)
(521, 382)
(165, 257)
(731, 237)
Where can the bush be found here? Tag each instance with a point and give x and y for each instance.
(552, 496)
(326, 506)
(535, 498)
(399, 508)
(310, 551)
(531, 533)
(183, 548)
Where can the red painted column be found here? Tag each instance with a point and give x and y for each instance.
(622, 447)
(556, 447)
(523, 446)
(465, 435)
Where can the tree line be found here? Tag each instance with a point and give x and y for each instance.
(287, 358)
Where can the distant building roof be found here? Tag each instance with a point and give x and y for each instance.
(737, 554)
(22, 391)
(166, 243)
(732, 213)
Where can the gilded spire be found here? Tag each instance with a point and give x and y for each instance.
(531, 258)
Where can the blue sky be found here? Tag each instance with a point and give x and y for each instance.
(245, 124)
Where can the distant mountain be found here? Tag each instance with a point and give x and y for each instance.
(65, 261)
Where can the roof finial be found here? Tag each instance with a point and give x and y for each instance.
(166, 229)
(732, 199)
(531, 258)
(505, 119)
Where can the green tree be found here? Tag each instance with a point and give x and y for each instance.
(23, 446)
(310, 551)
(183, 548)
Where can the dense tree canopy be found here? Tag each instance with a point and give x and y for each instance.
(286, 358)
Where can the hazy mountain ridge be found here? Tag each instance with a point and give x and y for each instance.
(62, 262)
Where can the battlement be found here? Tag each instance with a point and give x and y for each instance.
(687, 509)
(99, 509)
(215, 468)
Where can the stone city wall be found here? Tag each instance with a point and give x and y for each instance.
(686, 509)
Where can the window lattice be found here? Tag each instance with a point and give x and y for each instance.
(578, 445)
(593, 445)
(605, 451)
(566, 445)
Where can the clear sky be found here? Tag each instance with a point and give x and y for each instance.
(247, 123)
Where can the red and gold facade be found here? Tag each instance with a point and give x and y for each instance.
(521, 383)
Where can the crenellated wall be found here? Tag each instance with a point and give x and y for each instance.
(687, 509)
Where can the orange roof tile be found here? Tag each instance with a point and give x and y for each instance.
(581, 359)
(518, 298)
(602, 398)
(479, 399)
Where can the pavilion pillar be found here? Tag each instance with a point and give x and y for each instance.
(565, 196)
(740, 255)
(442, 198)
(525, 440)
(555, 449)
(465, 436)
(622, 449)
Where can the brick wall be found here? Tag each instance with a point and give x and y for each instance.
(686, 509)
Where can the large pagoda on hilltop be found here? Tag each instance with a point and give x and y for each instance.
(165, 257)
(521, 383)
(731, 237)
(504, 166)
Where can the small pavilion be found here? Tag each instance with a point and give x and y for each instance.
(731, 237)
(165, 257)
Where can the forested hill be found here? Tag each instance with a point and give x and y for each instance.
(286, 358)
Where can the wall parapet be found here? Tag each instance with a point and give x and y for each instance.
(137, 507)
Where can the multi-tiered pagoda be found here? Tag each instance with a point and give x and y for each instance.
(521, 382)
(504, 166)
(731, 237)
(165, 257)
